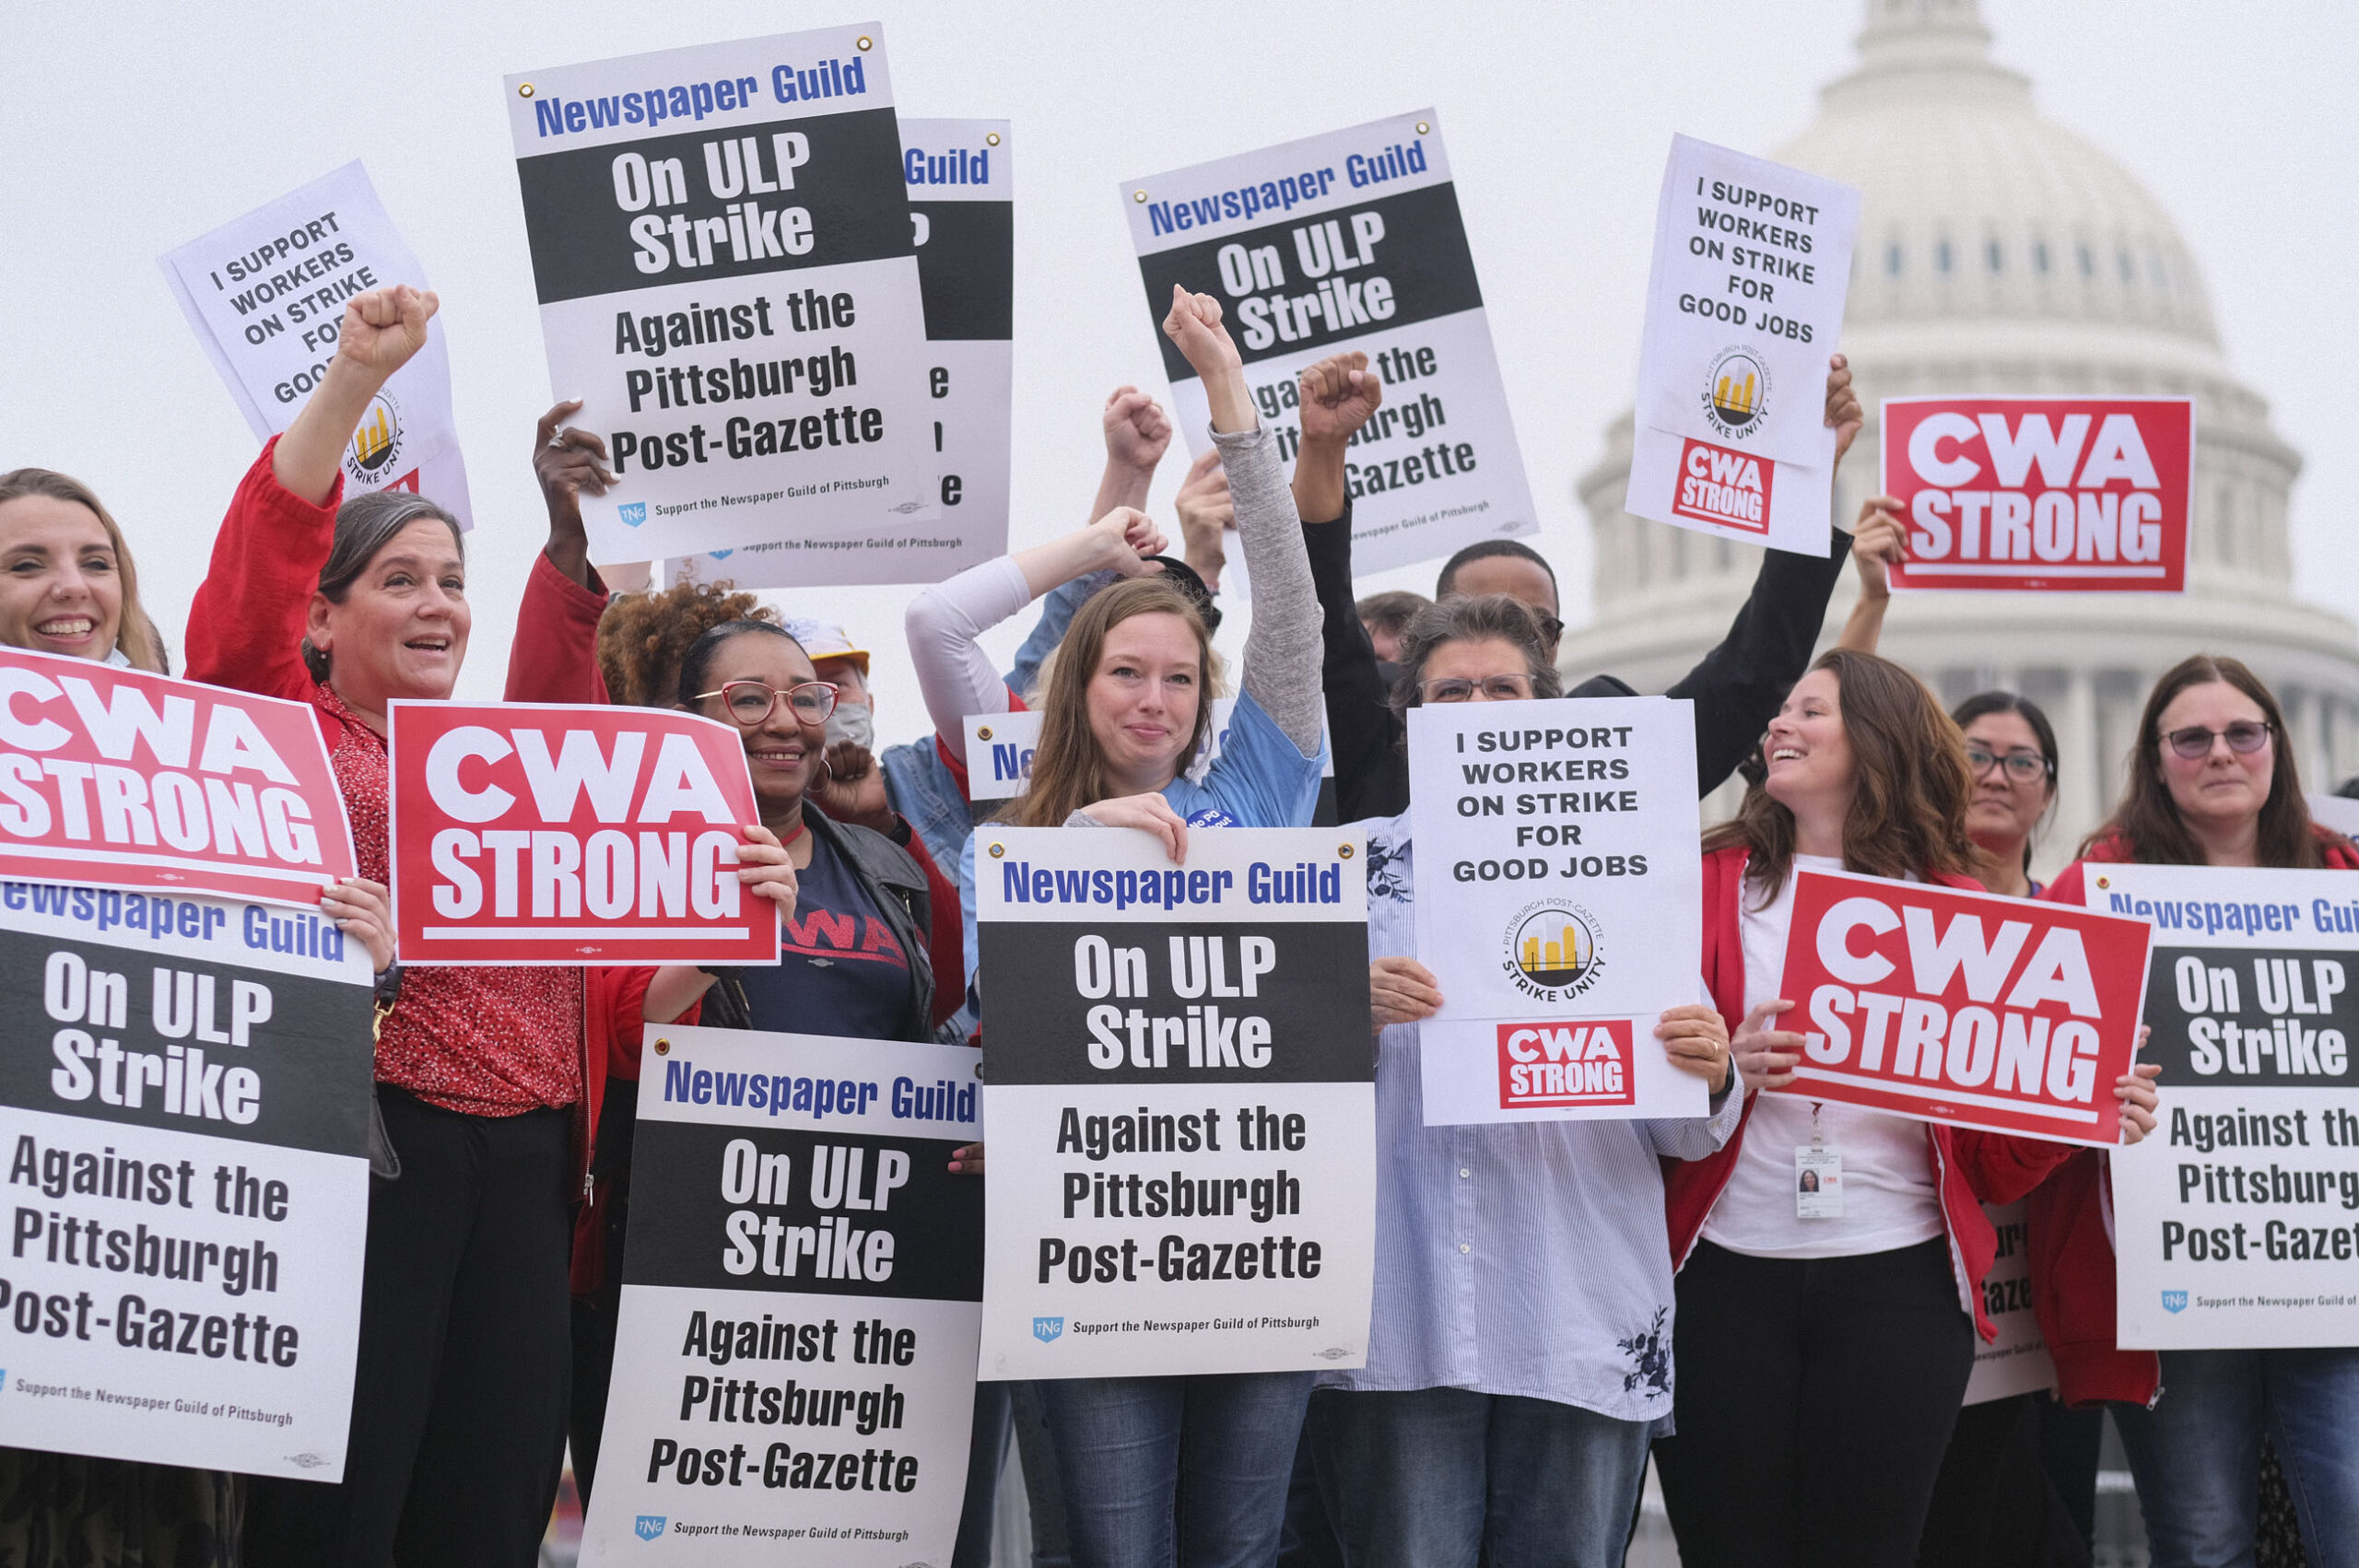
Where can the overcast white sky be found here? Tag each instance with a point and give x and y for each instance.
(126, 130)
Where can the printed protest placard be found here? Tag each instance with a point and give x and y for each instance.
(117, 777)
(961, 205)
(723, 255)
(1000, 748)
(1342, 241)
(2016, 1362)
(1558, 903)
(185, 1118)
(794, 1358)
(2236, 1219)
(545, 833)
(1963, 1007)
(265, 294)
(2071, 494)
(1744, 304)
(1182, 1100)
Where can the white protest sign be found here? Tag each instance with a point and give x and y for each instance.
(794, 1357)
(265, 294)
(2236, 1219)
(1342, 241)
(723, 255)
(2016, 1362)
(185, 1118)
(1000, 748)
(1744, 304)
(961, 205)
(1558, 903)
(1182, 1100)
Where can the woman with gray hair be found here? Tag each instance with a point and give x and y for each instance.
(1519, 1357)
(458, 1401)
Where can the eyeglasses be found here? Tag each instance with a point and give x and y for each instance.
(1494, 688)
(2245, 737)
(752, 702)
(2022, 767)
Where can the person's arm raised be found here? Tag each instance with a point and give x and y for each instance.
(1137, 435)
(1338, 394)
(1194, 324)
(381, 331)
(1878, 542)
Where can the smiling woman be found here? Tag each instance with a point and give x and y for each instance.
(458, 1410)
(67, 582)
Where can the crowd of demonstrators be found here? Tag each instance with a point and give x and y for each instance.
(1555, 1301)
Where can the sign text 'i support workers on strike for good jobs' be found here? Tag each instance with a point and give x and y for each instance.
(2063, 493)
(123, 778)
(532, 833)
(1965, 1008)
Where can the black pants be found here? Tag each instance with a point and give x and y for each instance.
(1815, 1398)
(458, 1409)
(2017, 1487)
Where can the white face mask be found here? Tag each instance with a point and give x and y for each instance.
(853, 721)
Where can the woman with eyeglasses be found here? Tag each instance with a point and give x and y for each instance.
(1518, 1355)
(2010, 752)
(2212, 783)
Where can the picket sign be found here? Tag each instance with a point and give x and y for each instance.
(122, 779)
(2054, 493)
(557, 834)
(1963, 1007)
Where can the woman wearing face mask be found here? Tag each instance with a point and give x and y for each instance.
(1520, 1354)
(1124, 712)
(68, 587)
(1820, 1358)
(2212, 783)
(458, 1417)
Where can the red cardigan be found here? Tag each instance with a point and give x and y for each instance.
(2069, 1235)
(1972, 1168)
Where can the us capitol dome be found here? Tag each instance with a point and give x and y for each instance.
(2001, 253)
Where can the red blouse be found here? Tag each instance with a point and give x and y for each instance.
(481, 1041)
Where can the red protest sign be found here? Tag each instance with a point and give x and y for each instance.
(121, 779)
(539, 832)
(2054, 493)
(1962, 1007)
(1579, 1062)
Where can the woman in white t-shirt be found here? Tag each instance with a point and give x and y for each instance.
(1826, 1334)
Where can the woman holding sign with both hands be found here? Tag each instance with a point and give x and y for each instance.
(1158, 1469)
(1823, 1347)
(2210, 785)
(1519, 1350)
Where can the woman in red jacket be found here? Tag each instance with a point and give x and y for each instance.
(458, 1412)
(2210, 784)
(1823, 1347)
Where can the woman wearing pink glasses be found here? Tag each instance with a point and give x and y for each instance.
(2210, 784)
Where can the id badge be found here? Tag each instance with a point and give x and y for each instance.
(1818, 1183)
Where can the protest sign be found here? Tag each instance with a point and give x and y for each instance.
(543, 834)
(2236, 1219)
(265, 294)
(1744, 304)
(120, 777)
(185, 1118)
(2060, 494)
(1558, 896)
(794, 1356)
(2016, 1362)
(1000, 748)
(1965, 1008)
(961, 205)
(724, 256)
(1342, 241)
(1182, 1100)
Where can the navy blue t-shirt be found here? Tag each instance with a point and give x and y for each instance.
(840, 972)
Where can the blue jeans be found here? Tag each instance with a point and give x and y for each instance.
(2197, 1454)
(1441, 1477)
(1160, 1471)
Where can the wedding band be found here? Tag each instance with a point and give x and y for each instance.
(557, 441)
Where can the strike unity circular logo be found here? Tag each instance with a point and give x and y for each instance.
(1736, 392)
(376, 446)
(1552, 944)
